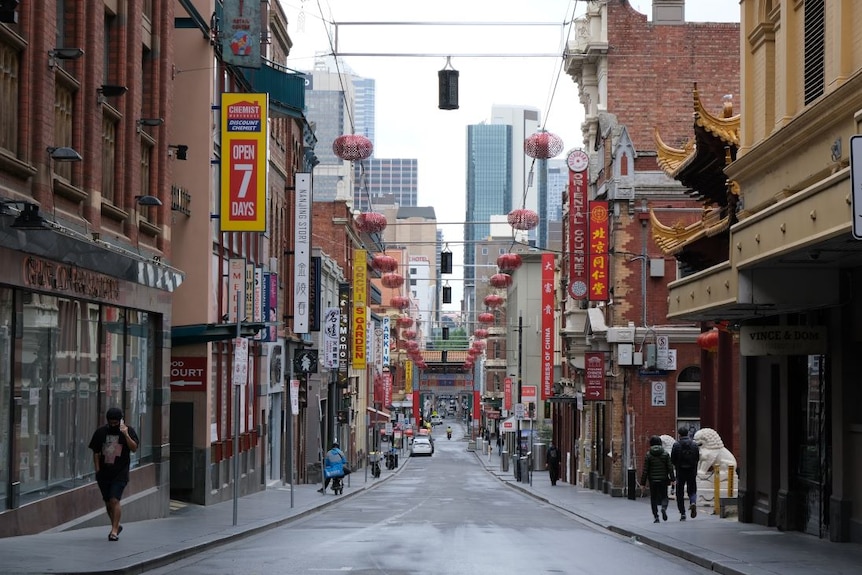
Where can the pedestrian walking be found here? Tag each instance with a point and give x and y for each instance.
(659, 472)
(553, 463)
(112, 446)
(685, 455)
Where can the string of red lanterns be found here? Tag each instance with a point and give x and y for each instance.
(384, 263)
(523, 219)
(509, 262)
(352, 147)
(371, 223)
(500, 280)
(543, 145)
(392, 280)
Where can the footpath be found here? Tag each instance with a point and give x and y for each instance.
(723, 545)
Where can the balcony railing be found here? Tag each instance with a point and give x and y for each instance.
(286, 88)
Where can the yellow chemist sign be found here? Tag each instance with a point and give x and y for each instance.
(243, 162)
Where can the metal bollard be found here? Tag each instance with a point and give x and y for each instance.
(730, 472)
(716, 496)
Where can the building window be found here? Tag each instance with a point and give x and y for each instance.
(109, 155)
(64, 103)
(9, 70)
(688, 399)
(146, 162)
(815, 50)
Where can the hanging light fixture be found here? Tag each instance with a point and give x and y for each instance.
(399, 302)
(384, 263)
(500, 280)
(352, 147)
(543, 145)
(523, 219)
(494, 300)
(447, 84)
(447, 293)
(509, 262)
(485, 317)
(392, 280)
(371, 222)
(446, 260)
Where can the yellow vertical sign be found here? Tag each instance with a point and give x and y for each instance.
(360, 320)
(243, 162)
(408, 376)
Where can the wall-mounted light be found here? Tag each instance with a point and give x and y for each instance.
(29, 217)
(150, 122)
(63, 54)
(181, 150)
(64, 154)
(148, 201)
(109, 91)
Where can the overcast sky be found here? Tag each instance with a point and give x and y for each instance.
(408, 122)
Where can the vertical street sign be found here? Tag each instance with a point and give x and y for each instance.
(594, 364)
(302, 253)
(360, 319)
(578, 162)
(240, 361)
(236, 285)
(599, 227)
(243, 162)
(547, 339)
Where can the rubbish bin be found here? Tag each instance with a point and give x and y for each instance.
(540, 451)
(504, 463)
(524, 469)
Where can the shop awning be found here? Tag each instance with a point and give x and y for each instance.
(378, 412)
(207, 332)
(509, 425)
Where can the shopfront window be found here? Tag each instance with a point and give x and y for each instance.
(6, 310)
(139, 381)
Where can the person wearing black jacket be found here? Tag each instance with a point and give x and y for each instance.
(685, 456)
(659, 472)
(112, 446)
(553, 463)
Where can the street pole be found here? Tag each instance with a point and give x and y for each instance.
(517, 419)
(239, 304)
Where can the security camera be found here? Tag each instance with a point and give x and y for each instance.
(814, 255)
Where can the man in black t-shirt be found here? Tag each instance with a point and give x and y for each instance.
(112, 446)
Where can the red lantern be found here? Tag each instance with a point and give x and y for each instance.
(708, 340)
(523, 219)
(481, 333)
(486, 317)
(352, 147)
(409, 334)
(509, 262)
(399, 302)
(404, 321)
(543, 145)
(383, 263)
(500, 280)
(413, 346)
(371, 223)
(479, 345)
(392, 280)
(493, 300)
(472, 352)
(421, 364)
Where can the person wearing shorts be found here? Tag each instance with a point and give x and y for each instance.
(112, 446)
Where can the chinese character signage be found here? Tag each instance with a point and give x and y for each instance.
(578, 234)
(598, 247)
(360, 320)
(314, 294)
(241, 33)
(302, 253)
(331, 323)
(507, 394)
(408, 376)
(547, 338)
(594, 378)
(243, 162)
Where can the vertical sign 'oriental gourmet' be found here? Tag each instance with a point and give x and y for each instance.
(599, 288)
(243, 162)
(577, 162)
(302, 253)
(547, 363)
(360, 282)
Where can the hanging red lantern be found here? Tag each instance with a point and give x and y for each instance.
(500, 280)
(383, 263)
(509, 262)
(708, 340)
(481, 333)
(493, 300)
(485, 317)
(399, 302)
(413, 346)
(352, 147)
(474, 352)
(543, 145)
(404, 321)
(523, 219)
(421, 364)
(392, 280)
(409, 334)
(479, 345)
(371, 223)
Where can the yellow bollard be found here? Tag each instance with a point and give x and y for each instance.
(730, 470)
(716, 494)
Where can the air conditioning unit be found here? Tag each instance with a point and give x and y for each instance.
(621, 334)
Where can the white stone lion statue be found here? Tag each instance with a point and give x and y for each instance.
(712, 452)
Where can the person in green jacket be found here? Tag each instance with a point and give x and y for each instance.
(659, 471)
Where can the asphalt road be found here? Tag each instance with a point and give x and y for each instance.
(443, 515)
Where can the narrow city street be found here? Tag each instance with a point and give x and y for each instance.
(440, 514)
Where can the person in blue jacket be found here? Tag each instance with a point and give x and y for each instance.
(333, 465)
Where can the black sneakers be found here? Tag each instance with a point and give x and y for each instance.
(663, 515)
(693, 509)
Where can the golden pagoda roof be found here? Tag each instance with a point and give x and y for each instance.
(671, 239)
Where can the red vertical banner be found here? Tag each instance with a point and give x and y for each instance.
(598, 251)
(387, 389)
(477, 408)
(417, 408)
(548, 316)
(594, 376)
(507, 394)
(578, 234)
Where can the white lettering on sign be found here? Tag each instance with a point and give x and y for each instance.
(244, 152)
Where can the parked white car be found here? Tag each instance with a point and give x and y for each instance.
(421, 446)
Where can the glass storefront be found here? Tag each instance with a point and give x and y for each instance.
(63, 362)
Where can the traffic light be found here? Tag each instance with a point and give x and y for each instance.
(341, 416)
(531, 410)
(303, 393)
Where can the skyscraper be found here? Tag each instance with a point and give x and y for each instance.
(390, 181)
(489, 190)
